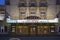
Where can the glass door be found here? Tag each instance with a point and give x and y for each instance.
(22, 30)
(40, 29)
(45, 29)
(33, 29)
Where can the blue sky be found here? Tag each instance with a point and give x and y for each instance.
(2, 2)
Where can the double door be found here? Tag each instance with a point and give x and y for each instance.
(36, 30)
(29, 30)
(32, 29)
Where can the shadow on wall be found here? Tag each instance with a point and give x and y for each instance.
(58, 2)
(58, 15)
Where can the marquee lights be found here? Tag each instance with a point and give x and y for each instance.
(33, 21)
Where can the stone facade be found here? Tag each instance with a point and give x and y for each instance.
(15, 11)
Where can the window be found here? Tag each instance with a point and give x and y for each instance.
(43, 4)
(43, 13)
(32, 12)
(13, 28)
(32, 4)
(22, 4)
(22, 13)
(52, 29)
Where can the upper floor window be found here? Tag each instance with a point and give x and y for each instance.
(22, 13)
(32, 12)
(43, 12)
(43, 4)
(32, 4)
(22, 4)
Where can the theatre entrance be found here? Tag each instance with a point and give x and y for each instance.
(33, 29)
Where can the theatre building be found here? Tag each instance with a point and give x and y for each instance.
(33, 17)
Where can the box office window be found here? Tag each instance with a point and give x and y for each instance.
(52, 29)
(13, 29)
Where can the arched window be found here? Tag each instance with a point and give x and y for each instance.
(32, 17)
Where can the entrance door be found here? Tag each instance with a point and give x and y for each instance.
(33, 30)
(22, 30)
(43, 30)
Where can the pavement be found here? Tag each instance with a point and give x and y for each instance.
(29, 38)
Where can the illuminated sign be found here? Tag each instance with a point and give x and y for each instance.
(33, 21)
(11, 21)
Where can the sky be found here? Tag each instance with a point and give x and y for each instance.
(2, 2)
